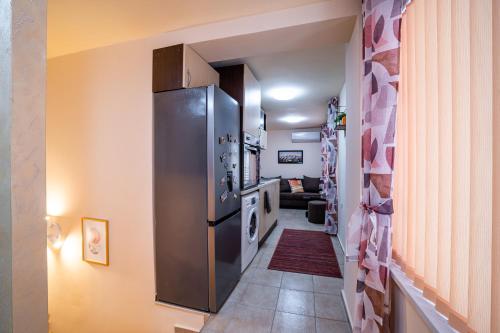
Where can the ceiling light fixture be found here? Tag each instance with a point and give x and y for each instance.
(293, 119)
(285, 93)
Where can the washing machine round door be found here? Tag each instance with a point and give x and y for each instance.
(252, 226)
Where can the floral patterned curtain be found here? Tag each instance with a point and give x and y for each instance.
(369, 229)
(329, 149)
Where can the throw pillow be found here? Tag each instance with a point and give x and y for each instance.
(296, 185)
(285, 186)
(311, 184)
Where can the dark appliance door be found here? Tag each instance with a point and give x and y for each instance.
(225, 259)
(223, 151)
(180, 203)
(250, 166)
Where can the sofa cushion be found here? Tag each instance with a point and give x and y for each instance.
(300, 196)
(296, 185)
(285, 186)
(311, 184)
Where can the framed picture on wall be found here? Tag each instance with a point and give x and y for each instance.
(290, 156)
(95, 241)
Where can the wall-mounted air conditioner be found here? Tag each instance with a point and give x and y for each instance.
(301, 137)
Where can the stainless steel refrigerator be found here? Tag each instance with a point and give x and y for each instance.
(196, 197)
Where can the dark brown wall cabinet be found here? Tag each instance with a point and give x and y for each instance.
(179, 66)
(240, 83)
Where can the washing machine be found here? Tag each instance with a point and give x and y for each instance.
(249, 228)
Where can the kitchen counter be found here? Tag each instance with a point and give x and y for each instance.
(263, 183)
(268, 218)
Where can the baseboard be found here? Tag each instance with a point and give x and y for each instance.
(182, 329)
(342, 246)
(269, 231)
(346, 306)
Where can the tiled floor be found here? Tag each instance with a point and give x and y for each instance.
(273, 301)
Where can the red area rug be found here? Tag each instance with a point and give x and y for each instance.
(307, 252)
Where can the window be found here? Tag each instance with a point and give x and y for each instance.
(445, 229)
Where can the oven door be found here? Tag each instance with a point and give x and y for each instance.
(250, 166)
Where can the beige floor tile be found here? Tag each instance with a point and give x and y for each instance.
(331, 326)
(329, 307)
(296, 281)
(293, 323)
(217, 323)
(251, 306)
(327, 285)
(250, 320)
(248, 275)
(267, 277)
(260, 296)
(298, 302)
(238, 292)
(268, 246)
(265, 260)
(259, 255)
(255, 261)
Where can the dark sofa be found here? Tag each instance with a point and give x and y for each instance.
(299, 200)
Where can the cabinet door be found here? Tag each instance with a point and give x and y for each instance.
(263, 139)
(270, 218)
(197, 72)
(262, 215)
(276, 201)
(251, 103)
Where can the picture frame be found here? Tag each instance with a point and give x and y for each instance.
(290, 156)
(95, 241)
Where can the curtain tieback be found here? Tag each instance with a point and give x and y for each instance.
(363, 227)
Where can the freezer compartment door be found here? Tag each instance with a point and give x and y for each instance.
(223, 152)
(225, 259)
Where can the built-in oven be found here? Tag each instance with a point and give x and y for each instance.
(251, 161)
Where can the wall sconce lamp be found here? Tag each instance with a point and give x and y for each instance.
(54, 235)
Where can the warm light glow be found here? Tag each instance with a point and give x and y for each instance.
(56, 204)
(71, 250)
(57, 245)
(285, 93)
(292, 119)
(54, 233)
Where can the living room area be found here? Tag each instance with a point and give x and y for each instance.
(294, 156)
(298, 268)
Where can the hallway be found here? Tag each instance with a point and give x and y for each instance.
(273, 301)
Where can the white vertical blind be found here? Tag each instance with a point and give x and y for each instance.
(420, 115)
(481, 132)
(444, 220)
(431, 152)
(495, 290)
(444, 116)
(460, 213)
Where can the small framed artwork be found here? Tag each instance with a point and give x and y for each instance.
(290, 156)
(95, 241)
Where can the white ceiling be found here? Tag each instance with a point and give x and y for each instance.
(319, 72)
(310, 57)
(76, 25)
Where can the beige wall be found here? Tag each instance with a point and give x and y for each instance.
(282, 140)
(353, 150)
(23, 235)
(405, 318)
(342, 173)
(99, 164)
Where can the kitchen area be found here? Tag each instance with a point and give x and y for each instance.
(212, 210)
